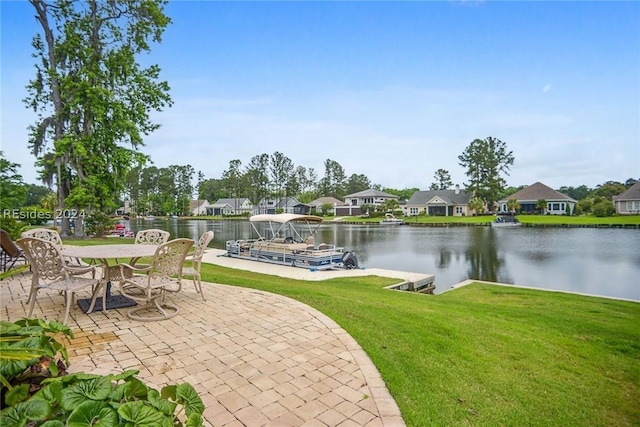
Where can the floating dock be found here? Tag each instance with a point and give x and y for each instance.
(413, 282)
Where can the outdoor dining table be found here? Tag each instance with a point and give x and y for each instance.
(104, 253)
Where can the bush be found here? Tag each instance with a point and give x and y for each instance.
(98, 224)
(603, 208)
(12, 226)
(36, 389)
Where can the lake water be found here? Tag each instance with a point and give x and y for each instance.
(586, 260)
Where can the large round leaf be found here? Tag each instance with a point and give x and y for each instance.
(92, 413)
(141, 414)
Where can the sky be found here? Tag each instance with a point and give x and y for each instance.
(391, 90)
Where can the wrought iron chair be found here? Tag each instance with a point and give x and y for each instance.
(10, 252)
(152, 236)
(50, 271)
(193, 270)
(150, 284)
(49, 235)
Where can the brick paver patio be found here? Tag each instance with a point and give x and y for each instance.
(255, 358)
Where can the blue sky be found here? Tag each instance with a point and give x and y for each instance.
(391, 90)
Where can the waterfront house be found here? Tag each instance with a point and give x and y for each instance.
(353, 202)
(200, 207)
(317, 204)
(232, 207)
(439, 202)
(528, 197)
(628, 203)
(276, 205)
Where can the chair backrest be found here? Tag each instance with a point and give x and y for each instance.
(201, 246)
(152, 236)
(169, 257)
(8, 245)
(44, 256)
(44, 234)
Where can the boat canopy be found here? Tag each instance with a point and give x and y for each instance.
(284, 218)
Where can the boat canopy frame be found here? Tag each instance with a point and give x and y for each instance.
(279, 223)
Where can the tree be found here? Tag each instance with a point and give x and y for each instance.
(541, 205)
(233, 177)
(577, 193)
(442, 180)
(513, 205)
(258, 177)
(609, 189)
(91, 97)
(12, 190)
(486, 160)
(357, 183)
(476, 204)
(334, 180)
(281, 169)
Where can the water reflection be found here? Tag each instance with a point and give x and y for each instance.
(594, 261)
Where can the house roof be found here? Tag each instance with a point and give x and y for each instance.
(371, 193)
(537, 191)
(632, 193)
(197, 203)
(448, 196)
(230, 202)
(281, 202)
(322, 200)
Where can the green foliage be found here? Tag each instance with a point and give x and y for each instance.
(476, 204)
(603, 208)
(486, 161)
(12, 190)
(12, 226)
(541, 205)
(584, 206)
(47, 396)
(389, 205)
(99, 224)
(609, 189)
(92, 99)
(442, 180)
(513, 205)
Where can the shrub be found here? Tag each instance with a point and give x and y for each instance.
(98, 224)
(603, 208)
(36, 389)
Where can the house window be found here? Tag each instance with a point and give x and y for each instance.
(459, 210)
(633, 206)
(414, 211)
(555, 206)
(354, 202)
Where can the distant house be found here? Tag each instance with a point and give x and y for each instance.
(439, 202)
(528, 197)
(276, 205)
(318, 203)
(200, 207)
(628, 203)
(235, 206)
(353, 202)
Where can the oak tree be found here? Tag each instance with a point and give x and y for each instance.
(92, 98)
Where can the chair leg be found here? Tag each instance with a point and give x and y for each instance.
(68, 296)
(32, 303)
(197, 282)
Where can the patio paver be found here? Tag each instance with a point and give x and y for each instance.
(255, 358)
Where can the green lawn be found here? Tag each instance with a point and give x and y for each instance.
(525, 219)
(484, 355)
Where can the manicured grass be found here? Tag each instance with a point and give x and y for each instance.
(525, 219)
(482, 354)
